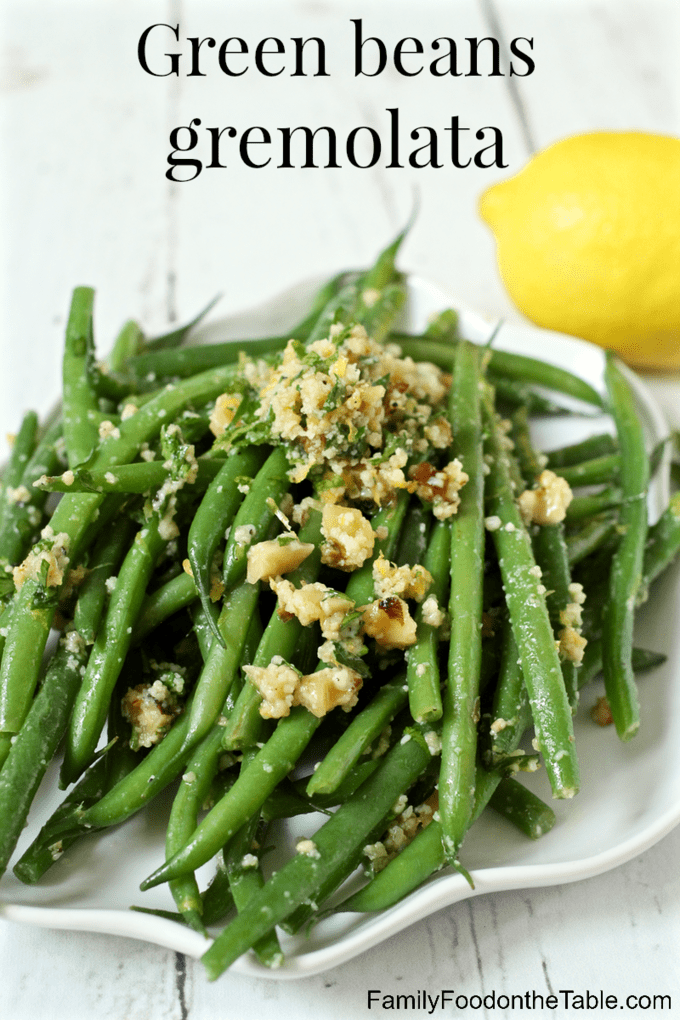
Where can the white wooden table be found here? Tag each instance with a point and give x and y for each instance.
(86, 200)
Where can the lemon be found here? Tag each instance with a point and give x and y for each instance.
(588, 239)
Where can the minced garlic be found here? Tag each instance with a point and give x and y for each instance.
(107, 430)
(349, 537)
(51, 549)
(151, 709)
(439, 486)
(283, 687)
(277, 684)
(274, 558)
(311, 603)
(388, 621)
(21, 493)
(408, 582)
(548, 502)
(401, 832)
(571, 644)
(307, 847)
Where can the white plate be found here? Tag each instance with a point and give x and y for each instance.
(630, 794)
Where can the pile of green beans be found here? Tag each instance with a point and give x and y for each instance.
(140, 562)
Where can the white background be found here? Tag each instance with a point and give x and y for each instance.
(86, 201)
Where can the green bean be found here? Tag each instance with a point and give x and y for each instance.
(663, 542)
(22, 449)
(215, 513)
(550, 550)
(23, 513)
(140, 477)
(281, 637)
(246, 879)
(419, 859)
(352, 781)
(383, 271)
(255, 512)
(530, 621)
(626, 571)
(5, 621)
(510, 366)
(127, 344)
(592, 472)
(523, 808)
(518, 394)
(106, 557)
(176, 594)
(552, 557)
(357, 853)
(364, 728)
(300, 878)
(65, 825)
(203, 627)
(461, 692)
(152, 366)
(379, 316)
(420, 793)
(583, 507)
(340, 309)
(324, 294)
(37, 742)
(518, 366)
(109, 650)
(175, 337)
(414, 536)
(167, 915)
(224, 659)
(217, 898)
(601, 445)
(286, 802)
(591, 537)
(349, 304)
(528, 460)
(16, 692)
(80, 404)
(422, 672)
(189, 798)
(510, 711)
(643, 659)
(333, 878)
